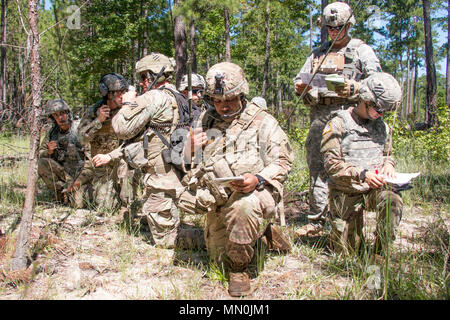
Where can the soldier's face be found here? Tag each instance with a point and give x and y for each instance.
(334, 31)
(144, 83)
(116, 98)
(373, 112)
(62, 119)
(227, 107)
(197, 94)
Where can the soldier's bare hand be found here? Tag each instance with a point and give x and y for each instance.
(300, 87)
(197, 138)
(52, 146)
(374, 180)
(247, 185)
(101, 159)
(103, 113)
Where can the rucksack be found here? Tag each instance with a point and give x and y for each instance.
(137, 154)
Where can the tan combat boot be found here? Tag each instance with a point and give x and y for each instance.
(239, 284)
(274, 239)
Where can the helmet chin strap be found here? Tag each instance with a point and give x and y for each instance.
(232, 115)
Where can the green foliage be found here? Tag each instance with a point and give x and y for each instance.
(430, 144)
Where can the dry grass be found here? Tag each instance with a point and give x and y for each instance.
(77, 254)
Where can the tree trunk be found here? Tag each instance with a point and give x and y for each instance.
(226, 15)
(448, 54)
(180, 46)
(324, 31)
(193, 46)
(267, 54)
(430, 117)
(3, 58)
(311, 26)
(19, 260)
(408, 72)
(279, 100)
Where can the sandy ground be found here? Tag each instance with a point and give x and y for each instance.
(85, 256)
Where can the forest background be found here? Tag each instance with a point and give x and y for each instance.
(82, 40)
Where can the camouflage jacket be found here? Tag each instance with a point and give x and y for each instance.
(98, 137)
(69, 153)
(252, 143)
(350, 145)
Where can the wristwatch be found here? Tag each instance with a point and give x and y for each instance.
(261, 182)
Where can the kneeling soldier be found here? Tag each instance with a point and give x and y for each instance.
(355, 145)
(61, 156)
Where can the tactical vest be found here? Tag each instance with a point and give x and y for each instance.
(70, 153)
(239, 145)
(363, 145)
(342, 62)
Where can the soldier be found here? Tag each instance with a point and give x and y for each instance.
(351, 58)
(355, 145)
(61, 156)
(237, 139)
(147, 124)
(105, 153)
(198, 88)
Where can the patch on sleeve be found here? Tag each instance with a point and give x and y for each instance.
(327, 128)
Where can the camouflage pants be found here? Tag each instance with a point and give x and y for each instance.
(231, 232)
(318, 186)
(162, 188)
(56, 179)
(347, 218)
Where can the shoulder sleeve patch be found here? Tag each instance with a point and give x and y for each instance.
(327, 128)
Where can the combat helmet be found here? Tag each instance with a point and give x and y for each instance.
(112, 82)
(153, 63)
(226, 80)
(382, 89)
(56, 105)
(197, 81)
(337, 14)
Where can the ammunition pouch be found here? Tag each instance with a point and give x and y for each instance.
(135, 156)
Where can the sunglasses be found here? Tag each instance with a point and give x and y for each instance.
(197, 91)
(337, 28)
(143, 77)
(379, 110)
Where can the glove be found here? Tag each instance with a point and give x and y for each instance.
(350, 88)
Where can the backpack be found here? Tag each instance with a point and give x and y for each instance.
(136, 153)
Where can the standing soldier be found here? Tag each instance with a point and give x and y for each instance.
(97, 133)
(237, 138)
(355, 145)
(147, 124)
(61, 156)
(198, 88)
(354, 60)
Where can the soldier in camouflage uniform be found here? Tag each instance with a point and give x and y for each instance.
(61, 156)
(356, 143)
(237, 138)
(152, 113)
(198, 88)
(351, 58)
(97, 134)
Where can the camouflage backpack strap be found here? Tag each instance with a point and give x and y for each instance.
(248, 115)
